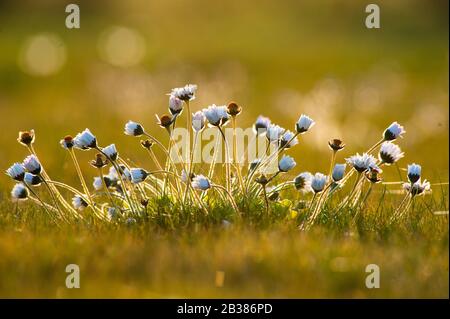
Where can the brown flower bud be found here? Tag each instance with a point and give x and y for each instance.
(336, 144)
(26, 137)
(233, 109)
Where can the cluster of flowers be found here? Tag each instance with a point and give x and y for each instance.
(124, 192)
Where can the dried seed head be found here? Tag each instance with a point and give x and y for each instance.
(164, 121)
(67, 142)
(262, 179)
(99, 162)
(146, 144)
(26, 137)
(336, 144)
(374, 175)
(233, 109)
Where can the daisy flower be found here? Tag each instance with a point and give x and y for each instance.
(85, 140)
(201, 182)
(394, 131)
(304, 123)
(286, 163)
(390, 153)
(318, 182)
(32, 164)
(133, 129)
(16, 172)
(261, 125)
(19, 192)
(362, 162)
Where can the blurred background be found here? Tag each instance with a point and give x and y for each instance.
(279, 59)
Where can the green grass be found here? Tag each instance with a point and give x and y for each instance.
(261, 256)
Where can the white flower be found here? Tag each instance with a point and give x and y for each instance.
(338, 172)
(254, 164)
(216, 115)
(19, 192)
(133, 129)
(201, 182)
(414, 172)
(286, 137)
(112, 213)
(175, 105)
(85, 140)
(274, 133)
(32, 164)
(417, 188)
(126, 174)
(286, 163)
(303, 182)
(111, 152)
(198, 121)
(261, 125)
(390, 153)
(98, 184)
(16, 172)
(304, 123)
(318, 182)
(138, 175)
(362, 162)
(186, 93)
(394, 131)
(31, 179)
(79, 203)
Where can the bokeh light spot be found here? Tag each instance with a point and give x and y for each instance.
(122, 46)
(42, 55)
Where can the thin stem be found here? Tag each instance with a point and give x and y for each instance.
(227, 162)
(233, 203)
(237, 165)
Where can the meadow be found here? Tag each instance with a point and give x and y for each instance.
(273, 60)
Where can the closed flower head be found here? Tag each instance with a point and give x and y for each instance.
(414, 172)
(274, 133)
(79, 203)
(133, 129)
(304, 123)
(201, 182)
(186, 93)
(216, 115)
(390, 153)
(19, 192)
(32, 165)
(318, 182)
(338, 172)
(175, 105)
(67, 142)
(31, 179)
(198, 121)
(254, 164)
(16, 172)
(138, 175)
(286, 163)
(261, 125)
(233, 109)
(394, 131)
(111, 152)
(85, 140)
(165, 121)
(26, 137)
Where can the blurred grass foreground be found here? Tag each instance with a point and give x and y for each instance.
(276, 59)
